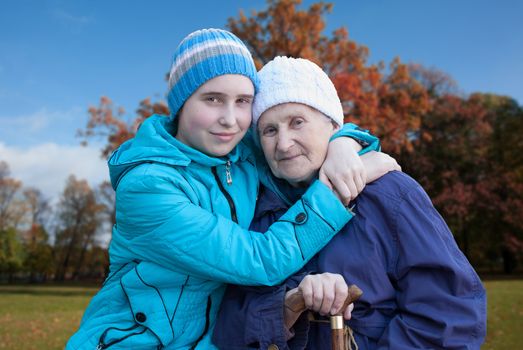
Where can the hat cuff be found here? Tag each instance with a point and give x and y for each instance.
(269, 98)
(187, 84)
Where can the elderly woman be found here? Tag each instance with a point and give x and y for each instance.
(420, 291)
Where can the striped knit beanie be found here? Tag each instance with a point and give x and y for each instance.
(287, 79)
(203, 55)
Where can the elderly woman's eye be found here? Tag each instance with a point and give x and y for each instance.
(297, 121)
(269, 131)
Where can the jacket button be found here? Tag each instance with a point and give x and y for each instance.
(300, 218)
(273, 347)
(140, 317)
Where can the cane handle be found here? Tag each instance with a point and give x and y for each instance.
(296, 303)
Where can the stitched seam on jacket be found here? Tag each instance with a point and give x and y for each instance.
(163, 304)
(179, 297)
(305, 204)
(114, 342)
(110, 277)
(395, 215)
(131, 307)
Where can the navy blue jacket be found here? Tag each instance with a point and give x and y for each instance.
(420, 292)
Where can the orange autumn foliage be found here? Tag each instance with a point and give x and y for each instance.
(462, 149)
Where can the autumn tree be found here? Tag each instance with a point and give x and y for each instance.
(38, 260)
(111, 123)
(107, 197)
(388, 104)
(11, 210)
(11, 213)
(284, 30)
(37, 206)
(501, 196)
(449, 152)
(79, 220)
(466, 159)
(11, 253)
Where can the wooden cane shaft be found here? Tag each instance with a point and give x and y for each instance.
(338, 339)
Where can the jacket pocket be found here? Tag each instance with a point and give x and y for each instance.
(150, 325)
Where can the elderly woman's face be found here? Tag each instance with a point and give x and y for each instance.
(294, 138)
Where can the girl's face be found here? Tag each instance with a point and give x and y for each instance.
(217, 115)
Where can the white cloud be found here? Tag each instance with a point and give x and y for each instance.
(40, 119)
(42, 125)
(46, 166)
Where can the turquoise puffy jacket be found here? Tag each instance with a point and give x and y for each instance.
(181, 234)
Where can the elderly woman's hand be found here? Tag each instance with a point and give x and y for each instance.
(324, 293)
(343, 170)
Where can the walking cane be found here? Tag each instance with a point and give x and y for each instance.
(339, 342)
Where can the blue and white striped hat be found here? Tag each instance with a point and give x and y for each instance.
(203, 55)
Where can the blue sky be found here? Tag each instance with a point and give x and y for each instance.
(59, 57)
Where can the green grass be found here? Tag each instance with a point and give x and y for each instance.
(40, 317)
(505, 315)
(44, 317)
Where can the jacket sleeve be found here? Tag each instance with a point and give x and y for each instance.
(440, 299)
(252, 317)
(368, 141)
(162, 225)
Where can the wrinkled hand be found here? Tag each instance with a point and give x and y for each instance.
(343, 170)
(324, 293)
(378, 164)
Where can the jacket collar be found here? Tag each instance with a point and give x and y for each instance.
(154, 143)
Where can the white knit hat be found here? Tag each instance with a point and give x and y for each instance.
(287, 79)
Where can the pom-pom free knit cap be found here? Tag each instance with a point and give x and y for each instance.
(203, 55)
(287, 79)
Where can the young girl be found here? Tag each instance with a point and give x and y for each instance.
(185, 195)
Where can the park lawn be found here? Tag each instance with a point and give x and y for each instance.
(44, 317)
(505, 315)
(40, 317)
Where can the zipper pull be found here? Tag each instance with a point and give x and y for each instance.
(228, 172)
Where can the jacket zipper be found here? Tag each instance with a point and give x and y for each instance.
(235, 219)
(225, 193)
(228, 172)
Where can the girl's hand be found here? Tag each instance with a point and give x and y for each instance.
(378, 164)
(343, 170)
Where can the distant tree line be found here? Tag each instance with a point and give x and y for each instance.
(75, 222)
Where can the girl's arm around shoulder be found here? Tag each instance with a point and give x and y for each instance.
(157, 221)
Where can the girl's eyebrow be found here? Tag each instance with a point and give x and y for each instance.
(246, 96)
(221, 94)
